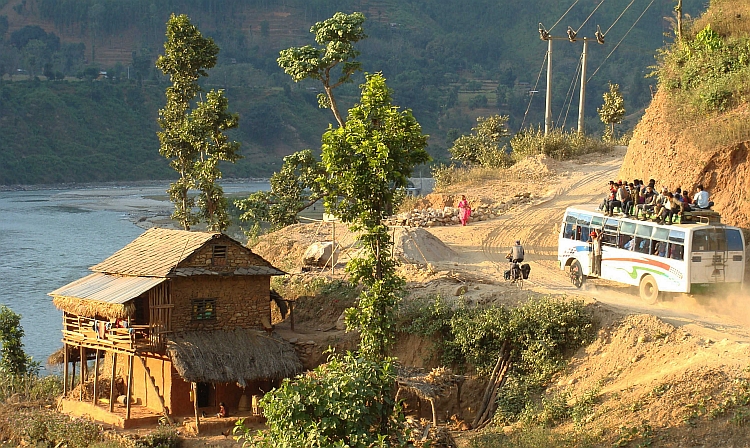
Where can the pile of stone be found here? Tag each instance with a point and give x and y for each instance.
(447, 216)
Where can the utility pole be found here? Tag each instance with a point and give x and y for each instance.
(678, 10)
(582, 102)
(548, 106)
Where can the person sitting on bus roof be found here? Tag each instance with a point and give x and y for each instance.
(648, 204)
(701, 199)
(605, 203)
(668, 209)
(661, 198)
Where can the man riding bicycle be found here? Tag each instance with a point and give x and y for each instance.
(515, 256)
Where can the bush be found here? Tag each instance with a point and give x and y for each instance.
(557, 144)
(49, 428)
(347, 402)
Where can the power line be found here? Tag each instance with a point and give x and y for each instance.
(535, 89)
(623, 38)
(566, 13)
(572, 92)
(587, 18)
(619, 17)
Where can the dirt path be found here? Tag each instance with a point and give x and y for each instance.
(481, 249)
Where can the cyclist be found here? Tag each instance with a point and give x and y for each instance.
(515, 256)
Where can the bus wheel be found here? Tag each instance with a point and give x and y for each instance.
(576, 274)
(649, 290)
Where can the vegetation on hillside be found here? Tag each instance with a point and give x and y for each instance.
(451, 63)
(707, 73)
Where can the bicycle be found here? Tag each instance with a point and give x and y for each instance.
(515, 275)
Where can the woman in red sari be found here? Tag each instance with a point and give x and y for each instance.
(464, 210)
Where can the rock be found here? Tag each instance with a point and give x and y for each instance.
(319, 254)
(340, 322)
(461, 290)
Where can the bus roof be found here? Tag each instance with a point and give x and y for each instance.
(692, 225)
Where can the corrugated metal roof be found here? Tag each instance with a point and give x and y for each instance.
(107, 288)
(155, 253)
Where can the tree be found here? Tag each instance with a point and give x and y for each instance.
(293, 189)
(612, 111)
(483, 146)
(193, 135)
(12, 357)
(338, 34)
(367, 164)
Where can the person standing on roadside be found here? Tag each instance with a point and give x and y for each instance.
(464, 210)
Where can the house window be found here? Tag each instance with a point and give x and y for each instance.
(219, 257)
(204, 309)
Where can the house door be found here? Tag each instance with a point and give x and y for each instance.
(204, 395)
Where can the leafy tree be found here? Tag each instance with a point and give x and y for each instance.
(12, 357)
(193, 136)
(295, 186)
(612, 111)
(483, 145)
(346, 402)
(293, 189)
(338, 34)
(367, 164)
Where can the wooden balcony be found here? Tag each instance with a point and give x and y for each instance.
(103, 335)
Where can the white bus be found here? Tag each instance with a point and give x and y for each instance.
(689, 258)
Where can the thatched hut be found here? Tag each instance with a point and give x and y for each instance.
(186, 314)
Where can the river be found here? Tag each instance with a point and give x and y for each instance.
(49, 238)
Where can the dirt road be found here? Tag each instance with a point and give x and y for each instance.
(481, 249)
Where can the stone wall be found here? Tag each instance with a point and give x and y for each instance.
(237, 256)
(241, 302)
(447, 216)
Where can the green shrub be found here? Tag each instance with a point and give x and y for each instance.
(431, 319)
(162, 437)
(49, 428)
(557, 144)
(347, 402)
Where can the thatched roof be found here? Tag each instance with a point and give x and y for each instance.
(237, 356)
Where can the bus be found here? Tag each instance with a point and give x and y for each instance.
(694, 257)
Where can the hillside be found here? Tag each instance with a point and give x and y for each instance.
(697, 129)
(449, 61)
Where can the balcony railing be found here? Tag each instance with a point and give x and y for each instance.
(105, 335)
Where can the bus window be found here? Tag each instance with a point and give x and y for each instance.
(709, 240)
(677, 236)
(572, 218)
(676, 251)
(627, 230)
(597, 222)
(609, 237)
(734, 240)
(643, 238)
(569, 231)
(660, 248)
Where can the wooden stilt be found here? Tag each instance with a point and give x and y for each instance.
(65, 369)
(130, 387)
(194, 386)
(96, 378)
(82, 351)
(112, 397)
(73, 377)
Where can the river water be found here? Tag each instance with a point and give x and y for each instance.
(49, 238)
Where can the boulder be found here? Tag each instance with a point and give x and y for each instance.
(319, 254)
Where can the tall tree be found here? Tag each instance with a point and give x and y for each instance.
(367, 166)
(612, 111)
(338, 35)
(192, 137)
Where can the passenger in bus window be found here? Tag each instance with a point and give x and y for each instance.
(677, 251)
(661, 249)
(628, 242)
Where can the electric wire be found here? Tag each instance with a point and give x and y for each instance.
(562, 16)
(620, 16)
(531, 97)
(587, 18)
(572, 94)
(572, 82)
(623, 38)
